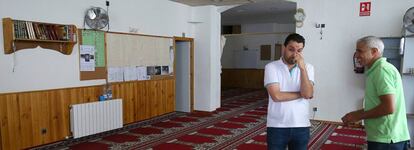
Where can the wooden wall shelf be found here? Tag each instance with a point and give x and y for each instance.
(19, 34)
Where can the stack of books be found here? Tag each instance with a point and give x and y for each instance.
(43, 31)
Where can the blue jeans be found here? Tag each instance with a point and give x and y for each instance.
(388, 146)
(293, 138)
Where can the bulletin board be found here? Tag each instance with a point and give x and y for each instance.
(131, 55)
(95, 39)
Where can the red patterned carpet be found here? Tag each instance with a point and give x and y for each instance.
(346, 138)
(239, 124)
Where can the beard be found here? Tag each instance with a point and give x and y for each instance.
(290, 60)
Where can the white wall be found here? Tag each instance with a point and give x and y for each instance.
(38, 69)
(235, 44)
(216, 55)
(338, 89)
(207, 54)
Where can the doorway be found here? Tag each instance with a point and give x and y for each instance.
(184, 74)
(254, 33)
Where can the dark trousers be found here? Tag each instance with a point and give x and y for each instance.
(293, 138)
(388, 146)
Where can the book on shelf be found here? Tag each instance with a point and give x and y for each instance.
(16, 30)
(21, 30)
(30, 30)
(36, 30)
(29, 35)
(43, 31)
(26, 34)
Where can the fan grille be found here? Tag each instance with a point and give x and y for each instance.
(408, 20)
(96, 18)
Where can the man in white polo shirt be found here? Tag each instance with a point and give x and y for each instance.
(289, 82)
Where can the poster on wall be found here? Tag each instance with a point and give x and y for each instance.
(165, 70)
(97, 39)
(115, 74)
(87, 58)
(130, 73)
(142, 73)
(365, 9)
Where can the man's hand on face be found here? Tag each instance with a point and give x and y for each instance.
(299, 60)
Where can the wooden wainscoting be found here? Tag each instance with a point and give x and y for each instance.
(242, 78)
(24, 115)
(146, 99)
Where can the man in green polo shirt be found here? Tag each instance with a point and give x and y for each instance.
(384, 112)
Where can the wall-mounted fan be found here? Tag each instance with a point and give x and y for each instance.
(408, 20)
(96, 18)
(299, 17)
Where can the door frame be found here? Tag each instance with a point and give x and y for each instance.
(191, 40)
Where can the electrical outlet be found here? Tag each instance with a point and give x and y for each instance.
(320, 25)
(315, 108)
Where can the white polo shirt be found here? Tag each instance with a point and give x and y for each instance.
(294, 113)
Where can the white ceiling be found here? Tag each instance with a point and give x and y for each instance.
(214, 2)
(251, 11)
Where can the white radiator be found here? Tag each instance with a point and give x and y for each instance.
(91, 118)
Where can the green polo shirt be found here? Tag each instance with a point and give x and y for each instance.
(383, 79)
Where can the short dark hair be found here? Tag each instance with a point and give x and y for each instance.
(294, 37)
